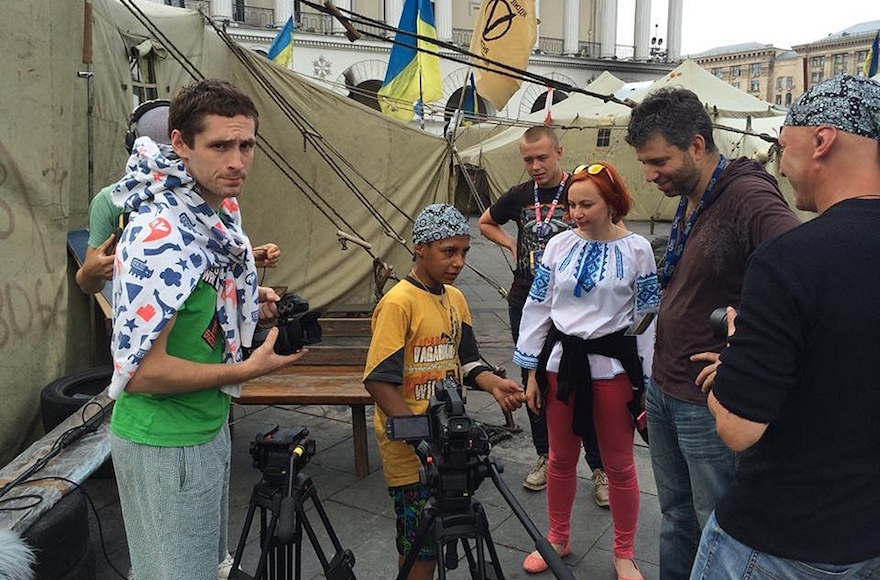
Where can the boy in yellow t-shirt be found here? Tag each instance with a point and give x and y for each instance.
(422, 334)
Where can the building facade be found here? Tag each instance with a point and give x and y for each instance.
(780, 75)
(576, 43)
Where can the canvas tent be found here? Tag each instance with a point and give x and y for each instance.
(44, 191)
(592, 130)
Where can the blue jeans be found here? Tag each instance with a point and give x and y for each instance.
(693, 468)
(721, 557)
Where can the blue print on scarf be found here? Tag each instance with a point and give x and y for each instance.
(591, 267)
(647, 293)
(538, 291)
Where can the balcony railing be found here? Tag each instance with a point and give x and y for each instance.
(550, 45)
(588, 49)
(319, 23)
(253, 16)
(462, 36)
(624, 51)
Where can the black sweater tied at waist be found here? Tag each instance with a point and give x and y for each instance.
(575, 376)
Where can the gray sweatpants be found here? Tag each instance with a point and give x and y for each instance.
(175, 506)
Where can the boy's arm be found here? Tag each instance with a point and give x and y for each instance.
(388, 398)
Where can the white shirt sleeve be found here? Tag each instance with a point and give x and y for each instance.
(535, 317)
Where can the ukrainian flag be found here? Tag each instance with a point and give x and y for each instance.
(412, 74)
(871, 61)
(281, 51)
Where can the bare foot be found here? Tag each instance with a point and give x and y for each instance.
(626, 569)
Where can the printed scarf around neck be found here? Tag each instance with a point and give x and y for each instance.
(172, 238)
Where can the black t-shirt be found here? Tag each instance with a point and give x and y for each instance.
(518, 204)
(804, 360)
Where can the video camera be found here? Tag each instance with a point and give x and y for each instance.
(276, 451)
(297, 326)
(451, 446)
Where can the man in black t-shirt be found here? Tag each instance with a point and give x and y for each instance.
(797, 392)
(537, 208)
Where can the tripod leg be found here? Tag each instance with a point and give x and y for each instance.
(483, 522)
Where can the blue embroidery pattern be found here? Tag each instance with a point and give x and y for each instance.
(564, 264)
(618, 260)
(538, 291)
(591, 267)
(647, 293)
(525, 360)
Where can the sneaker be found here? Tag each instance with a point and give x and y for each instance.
(600, 488)
(224, 568)
(537, 479)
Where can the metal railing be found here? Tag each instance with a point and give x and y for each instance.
(624, 51)
(253, 16)
(462, 36)
(319, 23)
(551, 45)
(588, 49)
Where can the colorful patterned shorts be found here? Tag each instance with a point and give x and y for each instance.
(408, 503)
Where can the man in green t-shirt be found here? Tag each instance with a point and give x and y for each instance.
(149, 119)
(185, 302)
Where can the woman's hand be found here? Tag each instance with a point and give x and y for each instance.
(533, 394)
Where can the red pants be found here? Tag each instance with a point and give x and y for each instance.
(614, 429)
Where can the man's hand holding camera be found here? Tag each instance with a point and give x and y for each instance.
(706, 378)
(265, 355)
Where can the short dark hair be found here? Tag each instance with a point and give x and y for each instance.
(535, 133)
(676, 114)
(207, 97)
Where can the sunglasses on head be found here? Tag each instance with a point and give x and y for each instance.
(594, 169)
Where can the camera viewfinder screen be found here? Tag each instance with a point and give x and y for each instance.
(412, 427)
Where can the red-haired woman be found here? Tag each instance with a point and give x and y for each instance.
(584, 341)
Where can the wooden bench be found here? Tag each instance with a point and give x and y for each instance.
(330, 374)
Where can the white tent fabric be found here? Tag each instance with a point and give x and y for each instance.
(592, 130)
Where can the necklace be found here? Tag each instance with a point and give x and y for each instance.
(446, 312)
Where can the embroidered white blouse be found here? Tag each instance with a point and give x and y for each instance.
(590, 289)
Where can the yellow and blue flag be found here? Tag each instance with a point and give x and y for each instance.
(281, 50)
(412, 73)
(873, 59)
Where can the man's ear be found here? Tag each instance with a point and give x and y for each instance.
(823, 140)
(419, 250)
(699, 145)
(178, 144)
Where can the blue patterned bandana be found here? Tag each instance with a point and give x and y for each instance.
(439, 221)
(847, 103)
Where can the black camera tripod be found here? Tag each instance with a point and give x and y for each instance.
(447, 521)
(282, 519)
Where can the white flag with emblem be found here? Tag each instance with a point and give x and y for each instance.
(505, 32)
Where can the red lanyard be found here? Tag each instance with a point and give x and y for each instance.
(543, 224)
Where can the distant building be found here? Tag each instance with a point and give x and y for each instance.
(576, 42)
(780, 75)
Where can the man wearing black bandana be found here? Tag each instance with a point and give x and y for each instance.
(727, 209)
(797, 391)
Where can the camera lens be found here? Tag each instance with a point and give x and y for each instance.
(718, 323)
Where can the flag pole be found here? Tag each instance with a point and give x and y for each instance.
(421, 96)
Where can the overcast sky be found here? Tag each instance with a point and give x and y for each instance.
(782, 23)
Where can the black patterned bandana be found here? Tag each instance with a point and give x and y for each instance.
(439, 221)
(844, 102)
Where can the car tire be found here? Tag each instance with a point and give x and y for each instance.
(60, 537)
(66, 395)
